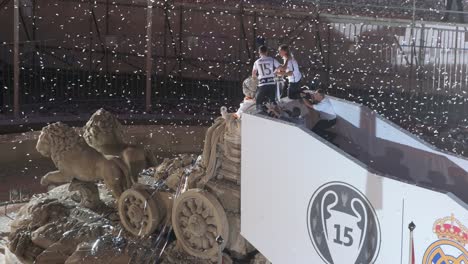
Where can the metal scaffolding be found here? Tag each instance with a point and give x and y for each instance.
(150, 53)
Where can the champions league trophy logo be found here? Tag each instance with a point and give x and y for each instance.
(342, 233)
(343, 226)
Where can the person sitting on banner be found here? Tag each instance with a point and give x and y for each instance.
(249, 87)
(290, 69)
(265, 67)
(323, 106)
(293, 115)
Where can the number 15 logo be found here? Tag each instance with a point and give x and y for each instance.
(265, 68)
(346, 235)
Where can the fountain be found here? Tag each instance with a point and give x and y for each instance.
(113, 205)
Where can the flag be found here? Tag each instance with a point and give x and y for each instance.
(412, 259)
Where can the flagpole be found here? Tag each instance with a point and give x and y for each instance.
(412, 260)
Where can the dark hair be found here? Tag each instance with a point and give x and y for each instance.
(263, 49)
(320, 91)
(296, 112)
(285, 48)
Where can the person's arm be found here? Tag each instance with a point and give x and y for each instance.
(254, 73)
(279, 68)
(308, 103)
(254, 70)
(295, 66)
(285, 64)
(276, 64)
(285, 67)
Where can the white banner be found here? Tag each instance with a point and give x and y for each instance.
(306, 201)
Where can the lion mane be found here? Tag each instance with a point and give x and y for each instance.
(104, 133)
(74, 159)
(103, 128)
(60, 138)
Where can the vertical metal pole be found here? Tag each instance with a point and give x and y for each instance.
(16, 71)
(34, 29)
(107, 35)
(455, 57)
(422, 51)
(329, 47)
(254, 31)
(165, 44)
(412, 43)
(90, 37)
(181, 29)
(149, 60)
(239, 60)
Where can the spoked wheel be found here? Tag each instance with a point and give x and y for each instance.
(138, 212)
(198, 220)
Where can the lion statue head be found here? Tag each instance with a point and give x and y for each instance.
(103, 128)
(57, 138)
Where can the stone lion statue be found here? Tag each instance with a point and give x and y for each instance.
(74, 159)
(105, 134)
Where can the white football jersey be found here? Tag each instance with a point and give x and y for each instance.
(293, 67)
(265, 67)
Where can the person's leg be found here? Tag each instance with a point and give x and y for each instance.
(321, 127)
(260, 97)
(461, 16)
(294, 91)
(448, 7)
(271, 93)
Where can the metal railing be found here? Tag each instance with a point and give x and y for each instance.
(200, 56)
(455, 11)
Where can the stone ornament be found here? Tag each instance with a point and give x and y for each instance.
(76, 160)
(89, 193)
(198, 197)
(22, 246)
(49, 228)
(104, 133)
(139, 213)
(198, 220)
(221, 152)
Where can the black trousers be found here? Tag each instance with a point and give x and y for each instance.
(294, 90)
(322, 126)
(265, 94)
(459, 4)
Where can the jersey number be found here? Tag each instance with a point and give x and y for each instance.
(346, 236)
(265, 68)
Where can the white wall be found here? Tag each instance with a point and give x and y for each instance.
(283, 166)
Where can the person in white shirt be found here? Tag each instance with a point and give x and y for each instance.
(290, 69)
(249, 88)
(265, 67)
(326, 111)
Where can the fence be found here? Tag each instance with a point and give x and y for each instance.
(418, 10)
(66, 88)
(201, 55)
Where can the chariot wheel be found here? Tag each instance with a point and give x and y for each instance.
(138, 212)
(198, 220)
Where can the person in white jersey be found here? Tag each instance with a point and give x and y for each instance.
(290, 69)
(265, 67)
(326, 111)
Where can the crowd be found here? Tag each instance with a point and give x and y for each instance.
(269, 75)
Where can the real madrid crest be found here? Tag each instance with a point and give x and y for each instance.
(450, 248)
(343, 225)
